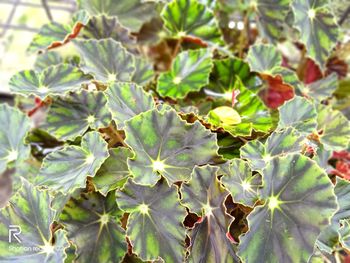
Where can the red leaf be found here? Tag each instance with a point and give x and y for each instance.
(277, 92)
(342, 155)
(312, 72)
(342, 169)
(342, 166)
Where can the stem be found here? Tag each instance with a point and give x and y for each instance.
(344, 16)
(177, 47)
(247, 28)
(38, 106)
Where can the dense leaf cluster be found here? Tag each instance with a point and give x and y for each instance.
(179, 131)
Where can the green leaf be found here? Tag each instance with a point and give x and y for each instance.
(13, 130)
(189, 72)
(92, 225)
(252, 111)
(329, 237)
(72, 115)
(342, 191)
(154, 226)
(191, 18)
(205, 196)
(143, 71)
(271, 16)
(318, 29)
(263, 58)
(241, 183)
(55, 34)
(46, 60)
(345, 234)
(30, 214)
(165, 145)
(224, 76)
(322, 157)
(113, 172)
(126, 100)
(334, 128)
(101, 64)
(54, 80)
(298, 113)
(279, 143)
(49, 35)
(299, 202)
(323, 88)
(224, 116)
(67, 169)
(131, 13)
(102, 26)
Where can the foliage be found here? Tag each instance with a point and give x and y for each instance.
(180, 131)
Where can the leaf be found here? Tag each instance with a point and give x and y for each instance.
(271, 16)
(224, 116)
(143, 71)
(154, 226)
(131, 14)
(299, 201)
(323, 88)
(333, 127)
(329, 237)
(248, 113)
(342, 191)
(126, 100)
(251, 109)
(99, 62)
(30, 214)
(13, 130)
(280, 86)
(46, 60)
(54, 80)
(67, 169)
(72, 115)
(189, 72)
(55, 34)
(300, 114)
(49, 34)
(224, 76)
(204, 196)
(322, 157)
(318, 28)
(264, 58)
(190, 18)
(164, 145)
(279, 143)
(102, 26)
(345, 234)
(239, 180)
(113, 172)
(92, 224)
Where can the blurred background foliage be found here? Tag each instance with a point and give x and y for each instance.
(19, 21)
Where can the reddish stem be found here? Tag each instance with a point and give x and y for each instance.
(38, 105)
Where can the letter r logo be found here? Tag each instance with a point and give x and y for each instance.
(14, 231)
